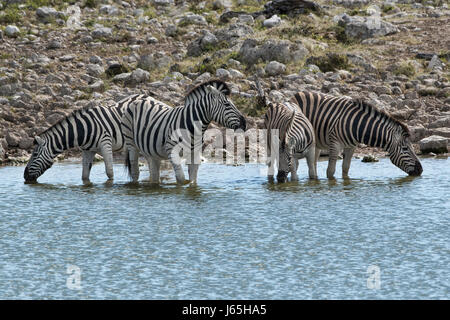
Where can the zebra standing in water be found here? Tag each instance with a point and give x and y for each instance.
(154, 128)
(296, 140)
(93, 130)
(341, 123)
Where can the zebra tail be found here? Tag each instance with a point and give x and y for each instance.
(128, 162)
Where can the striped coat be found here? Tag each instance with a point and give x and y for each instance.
(296, 140)
(341, 123)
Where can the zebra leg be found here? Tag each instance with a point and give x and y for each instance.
(154, 165)
(88, 158)
(311, 160)
(133, 156)
(107, 154)
(193, 170)
(334, 153)
(294, 176)
(348, 153)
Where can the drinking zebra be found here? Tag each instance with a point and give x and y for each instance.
(341, 123)
(157, 130)
(296, 140)
(93, 130)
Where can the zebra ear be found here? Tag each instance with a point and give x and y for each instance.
(212, 89)
(39, 140)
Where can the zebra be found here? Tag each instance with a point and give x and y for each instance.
(341, 123)
(93, 130)
(154, 128)
(296, 140)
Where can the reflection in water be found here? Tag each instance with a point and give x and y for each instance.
(233, 235)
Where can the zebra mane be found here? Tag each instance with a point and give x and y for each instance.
(73, 113)
(218, 84)
(367, 104)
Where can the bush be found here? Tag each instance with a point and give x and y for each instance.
(405, 68)
(330, 62)
(11, 15)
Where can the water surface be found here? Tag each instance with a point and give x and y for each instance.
(232, 236)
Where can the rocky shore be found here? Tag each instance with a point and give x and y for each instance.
(57, 56)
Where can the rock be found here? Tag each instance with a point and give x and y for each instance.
(208, 41)
(171, 30)
(109, 10)
(12, 31)
(435, 63)
(192, 18)
(435, 144)
(95, 60)
(204, 43)
(351, 3)
(246, 18)
(236, 74)
(26, 143)
(275, 68)
(95, 70)
(443, 132)
(222, 4)
(272, 21)
(369, 158)
(115, 68)
(223, 73)
(417, 133)
(101, 32)
(272, 50)
(233, 33)
(441, 122)
(122, 77)
(12, 139)
(2, 153)
(154, 61)
(151, 39)
(366, 27)
(48, 14)
(97, 86)
(139, 76)
(290, 7)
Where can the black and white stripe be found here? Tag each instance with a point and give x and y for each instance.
(93, 130)
(155, 129)
(296, 139)
(341, 123)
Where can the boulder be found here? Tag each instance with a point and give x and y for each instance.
(435, 63)
(366, 27)
(139, 76)
(95, 70)
(443, 132)
(275, 68)
(283, 51)
(101, 32)
(12, 139)
(12, 31)
(272, 21)
(48, 14)
(231, 34)
(435, 144)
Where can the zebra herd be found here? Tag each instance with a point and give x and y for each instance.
(140, 124)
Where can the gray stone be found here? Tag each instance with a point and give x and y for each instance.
(139, 76)
(417, 133)
(246, 18)
(171, 30)
(122, 77)
(233, 33)
(12, 31)
(26, 143)
(272, 21)
(97, 86)
(366, 27)
(435, 63)
(101, 32)
(109, 10)
(48, 14)
(279, 50)
(95, 70)
(441, 122)
(435, 144)
(12, 139)
(54, 44)
(192, 18)
(222, 4)
(351, 3)
(443, 132)
(95, 60)
(222, 73)
(275, 68)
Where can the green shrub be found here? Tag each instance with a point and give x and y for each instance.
(330, 62)
(11, 15)
(405, 68)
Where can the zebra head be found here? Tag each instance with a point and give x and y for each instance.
(287, 141)
(402, 153)
(40, 160)
(222, 109)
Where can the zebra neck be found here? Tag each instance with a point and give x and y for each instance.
(197, 110)
(63, 135)
(376, 132)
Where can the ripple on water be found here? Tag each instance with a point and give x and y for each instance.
(232, 236)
